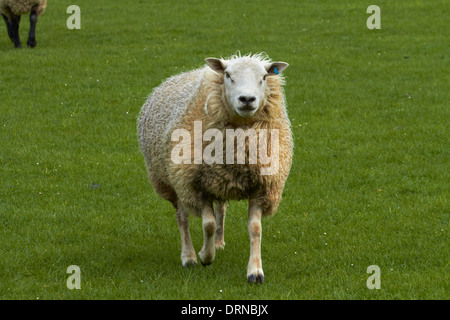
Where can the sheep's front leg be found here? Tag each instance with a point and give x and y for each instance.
(219, 212)
(208, 251)
(188, 257)
(32, 34)
(254, 269)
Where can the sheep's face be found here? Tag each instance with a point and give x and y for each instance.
(245, 81)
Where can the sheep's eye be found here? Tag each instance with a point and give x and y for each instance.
(227, 75)
(263, 79)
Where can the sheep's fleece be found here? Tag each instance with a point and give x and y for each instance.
(199, 95)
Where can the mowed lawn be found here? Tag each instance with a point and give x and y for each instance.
(370, 178)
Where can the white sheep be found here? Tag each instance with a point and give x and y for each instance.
(11, 10)
(187, 128)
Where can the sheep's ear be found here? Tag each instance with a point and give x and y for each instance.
(276, 67)
(218, 65)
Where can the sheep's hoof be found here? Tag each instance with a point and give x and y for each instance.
(31, 44)
(256, 278)
(206, 258)
(189, 261)
(206, 263)
(189, 264)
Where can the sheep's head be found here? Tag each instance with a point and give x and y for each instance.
(245, 80)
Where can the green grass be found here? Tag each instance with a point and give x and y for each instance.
(370, 178)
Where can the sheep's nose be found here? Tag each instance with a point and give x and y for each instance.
(247, 99)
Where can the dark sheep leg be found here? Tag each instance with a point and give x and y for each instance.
(13, 30)
(8, 27)
(15, 22)
(32, 35)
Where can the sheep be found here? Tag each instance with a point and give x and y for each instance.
(226, 98)
(11, 10)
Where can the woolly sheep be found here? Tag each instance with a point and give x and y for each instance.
(11, 11)
(237, 95)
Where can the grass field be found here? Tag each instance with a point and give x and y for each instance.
(370, 178)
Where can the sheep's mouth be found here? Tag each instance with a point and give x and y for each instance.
(246, 110)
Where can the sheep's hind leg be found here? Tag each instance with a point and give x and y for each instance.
(13, 30)
(188, 257)
(32, 34)
(208, 251)
(219, 212)
(254, 269)
(9, 28)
